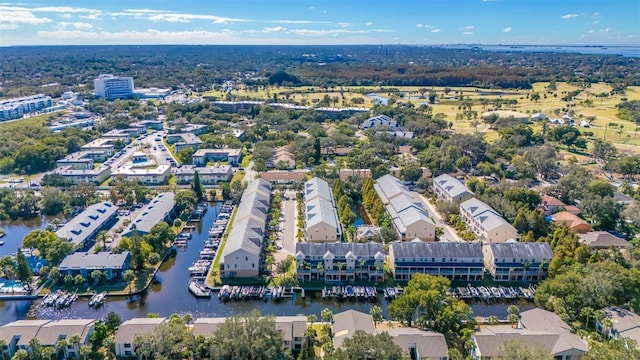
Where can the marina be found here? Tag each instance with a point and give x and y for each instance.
(166, 294)
(494, 292)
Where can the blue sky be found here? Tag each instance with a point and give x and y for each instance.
(606, 22)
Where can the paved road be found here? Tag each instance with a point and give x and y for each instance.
(249, 173)
(289, 223)
(449, 232)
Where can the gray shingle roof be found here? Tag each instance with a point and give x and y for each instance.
(247, 229)
(82, 227)
(625, 322)
(129, 329)
(50, 333)
(91, 261)
(428, 250)
(320, 210)
(26, 329)
(389, 187)
(522, 250)
(542, 320)
(347, 322)
(487, 217)
(317, 187)
(428, 344)
(153, 213)
(451, 186)
(603, 239)
(339, 250)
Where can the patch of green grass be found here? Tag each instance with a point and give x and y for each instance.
(213, 278)
(245, 161)
(239, 175)
(40, 121)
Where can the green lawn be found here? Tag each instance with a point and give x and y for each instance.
(40, 120)
(213, 278)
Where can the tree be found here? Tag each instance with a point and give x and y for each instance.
(154, 258)
(368, 347)
(317, 150)
(79, 280)
(85, 351)
(327, 315)
(112, 321)
(96, 276)
(236, 189)
(376, 314)
(312, 318)
(249, 337)
(614, 349)
(23, 270)
(21, 354)
(197, 187)
(75, 340)
(517, 350)
(47, 352)
(492, 320)
(411, 172)
(128, 276)
(185, 156)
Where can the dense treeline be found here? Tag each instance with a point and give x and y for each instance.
(25, 69)
(394, 75)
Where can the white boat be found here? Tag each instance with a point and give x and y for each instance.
(199, 290)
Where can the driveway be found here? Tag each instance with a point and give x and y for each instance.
(289, 224)
(449, 232)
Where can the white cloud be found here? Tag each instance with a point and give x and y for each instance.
(334, 32)
(435, 30)
(299, 22)
(369, 23)
(488, 0)
(344, 24)
(274, 29)
(139, 37)
(605, 30)
(569, 16)
(507, 29)
(12, 19)
(75, 25)
(467, 33)
(92, 16)
(470, 27)
(185, 18)
(591, 31)
(596, 14)
(66, 16)
(311, 8)
(419, 25)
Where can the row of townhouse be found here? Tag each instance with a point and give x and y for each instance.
(509, 261)
(182, 141)
(321, 217)
(16, 108)
(243, 251)
(410, 219)
(339, 261)
(209, 175)
(82, 230)
(485, 222)
(448, 188)
(18, 335)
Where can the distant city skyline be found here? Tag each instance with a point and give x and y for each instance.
(313, 22)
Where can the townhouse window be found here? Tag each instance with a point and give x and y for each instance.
(127, 345)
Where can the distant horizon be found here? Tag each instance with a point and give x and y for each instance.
(325, 22)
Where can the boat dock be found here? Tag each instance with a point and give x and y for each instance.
(256, 292)
(489, 293)
(362, 293)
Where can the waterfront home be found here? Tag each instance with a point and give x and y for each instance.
(573, 222)
(81, 231)
(448, 188)
(537, 327)
(347, 322)
(339, 261)
(407, 214)
(84, 263)
(292, 328)
(518, 261)
(209, 175)
(203, 156)
(599, 240)
(361, 173)
(485, 222)
(321, 217)
(18, 335)
(242, 253)
(128, 330)
(157, 210)
(624, 323)
(454, 260)
(420, 344)
(78, 176)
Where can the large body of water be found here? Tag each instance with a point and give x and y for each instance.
(16, 230)
(628, 50)
(169, 295)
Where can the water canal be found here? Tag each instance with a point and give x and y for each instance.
(169, 295)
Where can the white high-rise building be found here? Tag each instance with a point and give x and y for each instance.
(113, 87)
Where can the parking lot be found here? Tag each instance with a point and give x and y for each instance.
(151, 144)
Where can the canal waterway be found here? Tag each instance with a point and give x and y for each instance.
(16, 230)
(169, 294)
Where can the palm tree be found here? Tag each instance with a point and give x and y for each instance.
(312, 318)
(525, 266)
(85, 351)
(606, 327)
(47, 352)
(586, 312)
(75, 341)
(3, 343)
(512, 319)
(543, 262)
(492, 320)
(61, 345)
